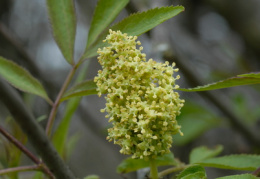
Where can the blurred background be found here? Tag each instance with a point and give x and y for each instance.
(210, 41)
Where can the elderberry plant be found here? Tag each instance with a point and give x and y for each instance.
(142, 101)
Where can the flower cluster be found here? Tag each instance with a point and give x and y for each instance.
(141, 102)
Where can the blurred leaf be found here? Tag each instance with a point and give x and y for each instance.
(61, 133)
(193, 172)
(13, 154)
(38, 175)
(105, 12)
(233, 162)
(71, 143)
(136, 24)
(243, 176)
(81, 89)
(194, 121)
(244, 79)
(41, 118)
(63, 21)
(202, 153)
(242, 107)
(21, 79)
(130, 164)
(92, 177)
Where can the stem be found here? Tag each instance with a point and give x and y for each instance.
(172, 170)
(20, 146)
(153, 170)
(19, 169)
(57, 101)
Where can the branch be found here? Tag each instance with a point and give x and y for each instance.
(19, 169)
(33, 130)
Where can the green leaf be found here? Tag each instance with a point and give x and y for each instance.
(253, 75)
(105, 12)
(202, 153)
(63, 21)
(137, 24)
(92, 177)
(194, 121)
(130, 164)
(243, 176)
(60, 135)
(21, 79)
(38, 175)
(244, 79)
(82, 89)
(234, 162)
(71, 143)
(193, 172)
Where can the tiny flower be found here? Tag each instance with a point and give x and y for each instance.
(141, 103)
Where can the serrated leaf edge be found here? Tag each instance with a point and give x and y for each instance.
(199, 88)
(144, 12)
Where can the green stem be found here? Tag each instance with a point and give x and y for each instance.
(172, 170)
(153, 170)
(57, 101)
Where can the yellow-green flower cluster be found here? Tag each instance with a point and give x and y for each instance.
(141, 102)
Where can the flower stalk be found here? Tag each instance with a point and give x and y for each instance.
(153, 169)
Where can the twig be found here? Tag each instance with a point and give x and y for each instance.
(57, 101)
(19, 169)
(19, 145)
(257, 172)
(34, 131)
